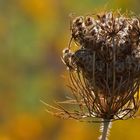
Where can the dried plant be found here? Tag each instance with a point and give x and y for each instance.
(105, 69)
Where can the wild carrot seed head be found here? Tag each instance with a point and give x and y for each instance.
(108, 64)
(104, 71)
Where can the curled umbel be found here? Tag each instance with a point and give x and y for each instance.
(105, 67)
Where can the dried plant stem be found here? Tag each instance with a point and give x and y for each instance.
(105, 128)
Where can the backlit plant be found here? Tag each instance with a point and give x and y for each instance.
(104, 70)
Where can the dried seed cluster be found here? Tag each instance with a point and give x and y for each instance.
(108, 58)
(115, 41)
(105, 69)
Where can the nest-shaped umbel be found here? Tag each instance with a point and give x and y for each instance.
(105, 69)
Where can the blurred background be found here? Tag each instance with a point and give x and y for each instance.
(32, 36)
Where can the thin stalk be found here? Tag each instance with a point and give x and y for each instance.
(94, 69)
(105, 129)
(114, 61)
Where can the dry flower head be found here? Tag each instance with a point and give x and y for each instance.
(104, 71)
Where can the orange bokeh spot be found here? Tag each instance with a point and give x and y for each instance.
(26, 127)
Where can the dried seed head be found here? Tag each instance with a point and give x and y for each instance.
(105, 76)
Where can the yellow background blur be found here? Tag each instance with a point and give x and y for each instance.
(32, 36)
